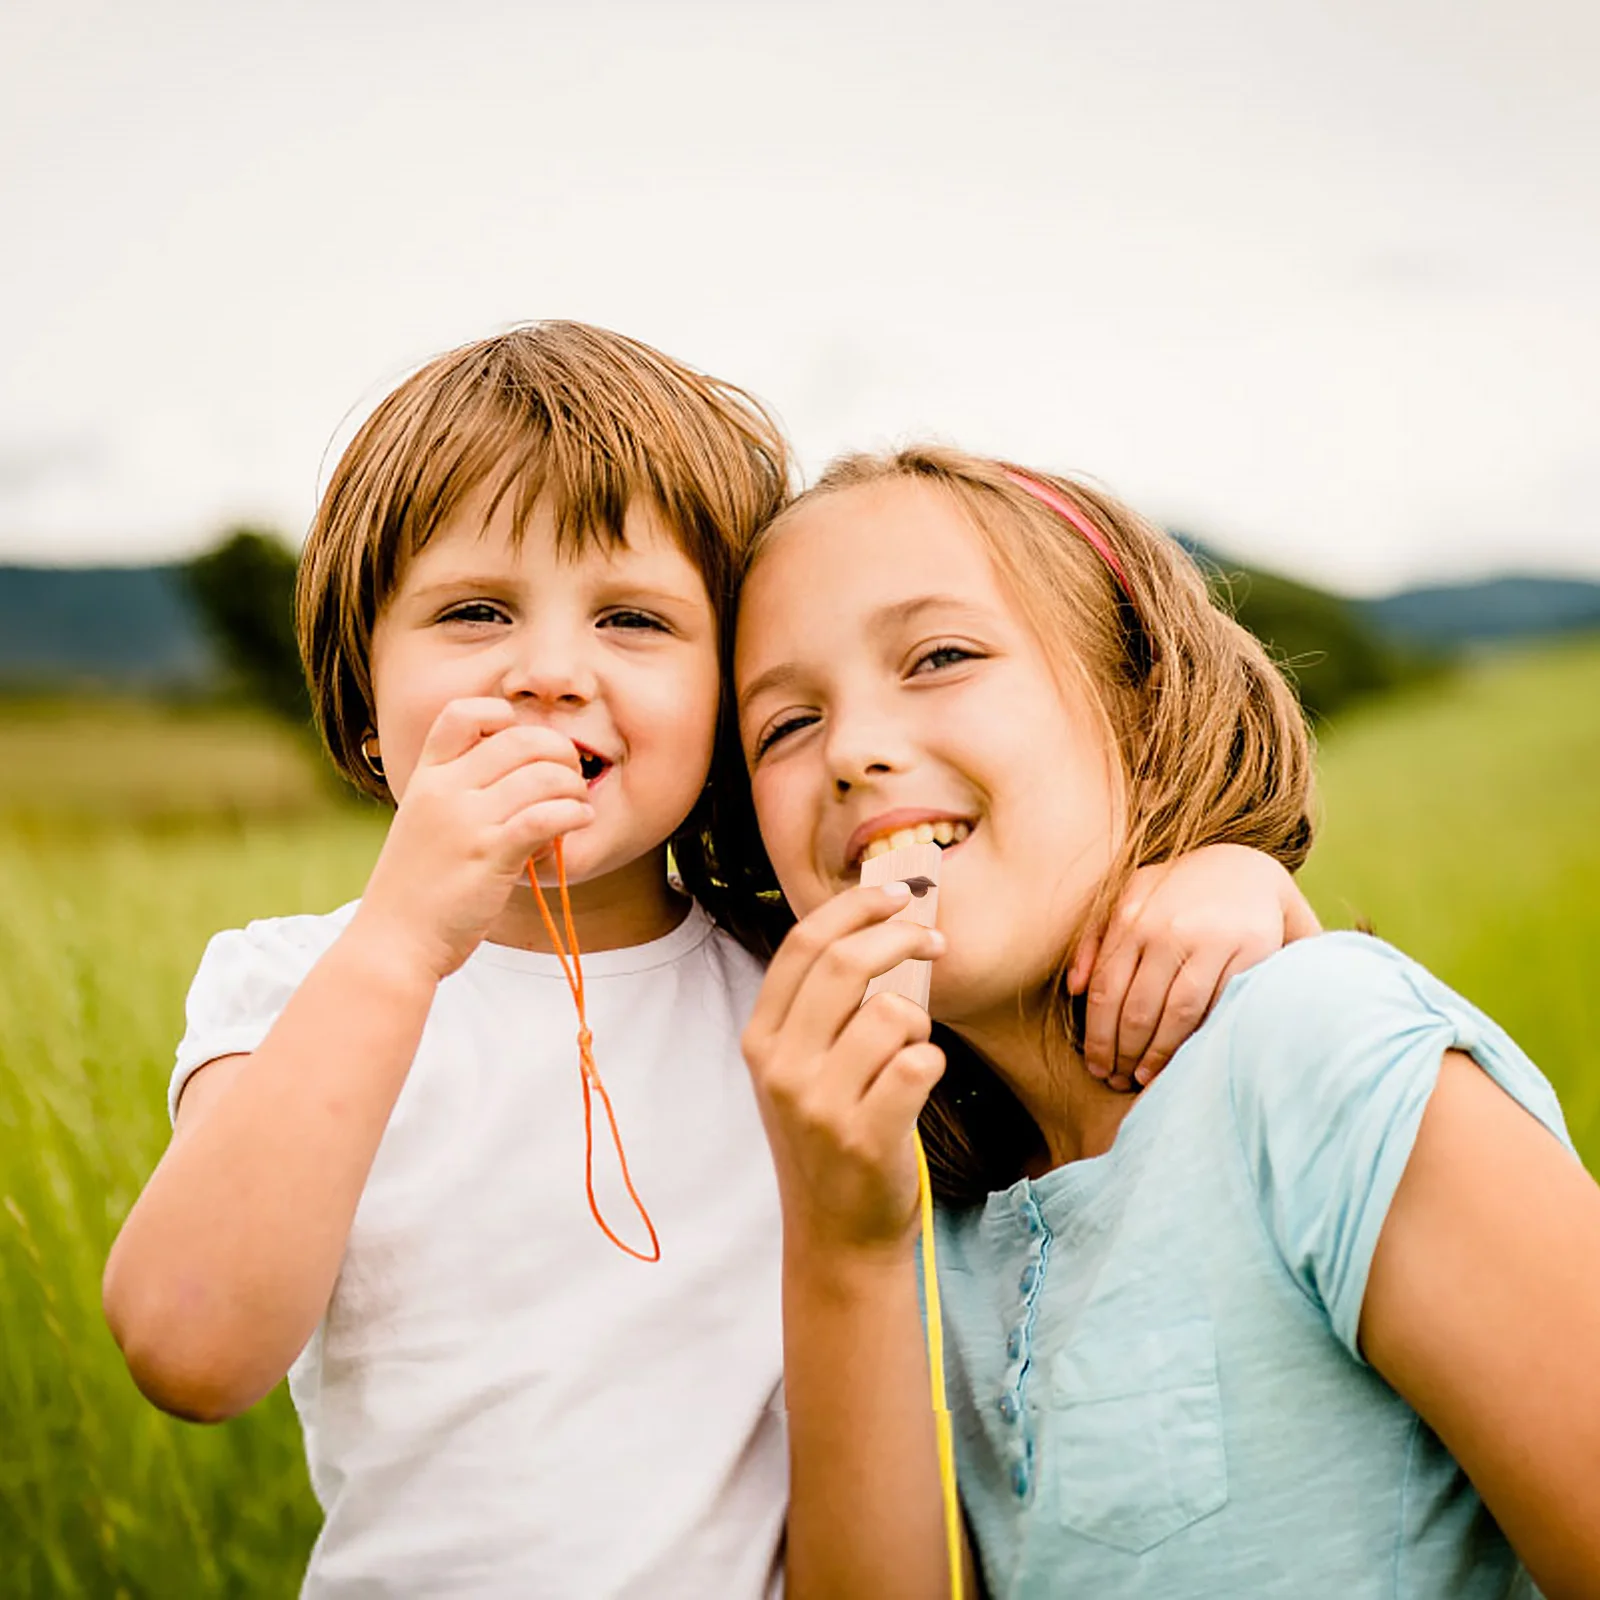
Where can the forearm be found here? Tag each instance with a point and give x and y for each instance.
(228, 1259)
(865, 1511)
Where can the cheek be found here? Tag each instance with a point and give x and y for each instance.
(675, 712)
(407, 701)
(781, 815)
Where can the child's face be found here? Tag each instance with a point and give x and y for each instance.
(886, 679)
(615, 649)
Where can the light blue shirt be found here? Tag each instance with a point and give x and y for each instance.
(1152, 1354)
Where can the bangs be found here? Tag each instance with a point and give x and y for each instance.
(509, 453)
(513, 438)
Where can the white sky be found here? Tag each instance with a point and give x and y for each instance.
(1318, 282)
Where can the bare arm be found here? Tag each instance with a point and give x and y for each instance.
(1483, 1309)
(225, 1264)
(840, 1086)
(227, 1261)
(865, 1514)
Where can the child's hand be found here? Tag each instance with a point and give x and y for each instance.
(840, 1084)
(487, 793)
(1180, 931)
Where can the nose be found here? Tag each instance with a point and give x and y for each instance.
(550, 665)
(863, 749)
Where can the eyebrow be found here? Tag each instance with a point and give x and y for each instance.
(466, 581)
(455, 581)
(884, 618)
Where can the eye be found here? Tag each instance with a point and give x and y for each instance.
(790, 722)
(630, 621)
(475, 611)
(940, 656)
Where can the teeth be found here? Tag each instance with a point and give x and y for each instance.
(940, 833)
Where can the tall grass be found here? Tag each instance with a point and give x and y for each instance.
(99, 934)
(1460, 821)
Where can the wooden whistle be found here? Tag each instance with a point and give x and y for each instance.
(918, 866)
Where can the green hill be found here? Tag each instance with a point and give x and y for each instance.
(1497, 609)
(123, 627)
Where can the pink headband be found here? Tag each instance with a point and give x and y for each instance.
(1074, 518)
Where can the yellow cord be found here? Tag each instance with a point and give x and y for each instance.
(941, 1405)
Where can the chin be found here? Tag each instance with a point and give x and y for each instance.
(956, 996)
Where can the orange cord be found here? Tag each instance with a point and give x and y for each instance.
(590, 1074)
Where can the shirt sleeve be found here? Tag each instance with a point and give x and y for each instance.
(1335, 1051)
(244, 981)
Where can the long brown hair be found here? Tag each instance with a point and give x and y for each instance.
(1212, 742)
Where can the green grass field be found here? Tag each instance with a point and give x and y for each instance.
(1461, 822)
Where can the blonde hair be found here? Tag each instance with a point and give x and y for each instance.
(1212, 742)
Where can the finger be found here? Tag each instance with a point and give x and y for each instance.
(1083, 958)
(461, 724)
(1108, 984)
(1241, 961)
(524, 786)
(1189, 999)
(532, 829)
(809, 938)
(1144, 1003)
(520, 745)
(895, 1099)
(824, 1090)
(869, 1040)
(835, 984)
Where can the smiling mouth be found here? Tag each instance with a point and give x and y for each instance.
(946, 834)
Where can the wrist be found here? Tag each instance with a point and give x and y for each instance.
(387, 957)
(828, 1270)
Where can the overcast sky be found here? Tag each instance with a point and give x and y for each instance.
(1318, 282)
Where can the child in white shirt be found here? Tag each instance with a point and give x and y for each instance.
(510, 611)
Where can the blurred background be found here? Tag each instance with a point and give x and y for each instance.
(1311, 284)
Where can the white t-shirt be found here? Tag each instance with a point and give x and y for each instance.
(498, 1402)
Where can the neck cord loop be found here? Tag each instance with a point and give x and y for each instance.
(571, 959)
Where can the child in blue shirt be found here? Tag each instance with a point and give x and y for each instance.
(1316, 1315)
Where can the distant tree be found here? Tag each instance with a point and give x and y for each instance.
(243, 589)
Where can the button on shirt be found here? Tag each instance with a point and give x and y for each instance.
(1152, 1354)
